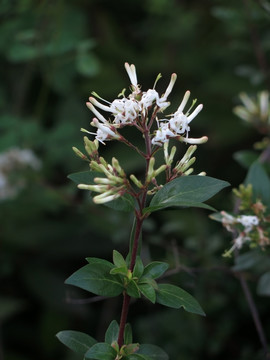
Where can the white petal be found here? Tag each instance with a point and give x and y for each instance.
(195, 113)
(184, 101)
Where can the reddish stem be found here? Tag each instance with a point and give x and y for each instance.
(126, 300)
(139, 222)
(123, 320)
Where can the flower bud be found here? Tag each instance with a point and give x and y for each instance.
(79, 153)
(150, 173)
(160, 170)
(117, 167)
(136, 181)
(90, 146)
(96, 188)
(105, 197)
(188, 172)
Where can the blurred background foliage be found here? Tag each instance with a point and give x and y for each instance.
(53, 54)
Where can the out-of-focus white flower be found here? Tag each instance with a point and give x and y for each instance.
(255, 110)
(248, 221)
(11, 161)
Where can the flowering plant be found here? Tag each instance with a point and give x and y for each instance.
(249, 222)
(166, 185)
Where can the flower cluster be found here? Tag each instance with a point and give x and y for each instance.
(11, 162)
(252, 228)
(251, 231)
(255, 111)
(136, 109)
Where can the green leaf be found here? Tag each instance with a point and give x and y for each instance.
(129, 349)
(84, 177)
(128, 338)
(138, 357)
(186, 191)
(153, 351)
(175, 297)
(259, 179)
(101, 351)
(112, 332)
(118, 259)
(133, 289)
(97, 279)
(119, 270)
(124, 203)
(138, 268)
(249, 260)
(76, 341)
(245, 157)
(263, 287)
(148, 291)
(155, 269)
(216, 216)
(93, 260)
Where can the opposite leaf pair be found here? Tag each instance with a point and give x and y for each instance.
(104, 278)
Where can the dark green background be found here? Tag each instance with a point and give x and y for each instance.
(53, 54)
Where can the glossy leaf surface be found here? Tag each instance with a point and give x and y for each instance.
(175, 297)
(186, 191)
(97, 279)
(76, 341)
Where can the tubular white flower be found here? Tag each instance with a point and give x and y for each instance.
(104, 131)
(184, 101)
(248, 102)
(201, 140)
(264, 104)
(131, 70)
(100, 105)
(170, 86)
(94, 110)
(242, 113)
(195, 113)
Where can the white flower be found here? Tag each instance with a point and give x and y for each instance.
(240, 240)
(179, 124)
(248, 221)
(104, 131)
(150, 97)
(125, 110)
(136, 106)
(162, 135)
(131, 70)
(11, 161)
